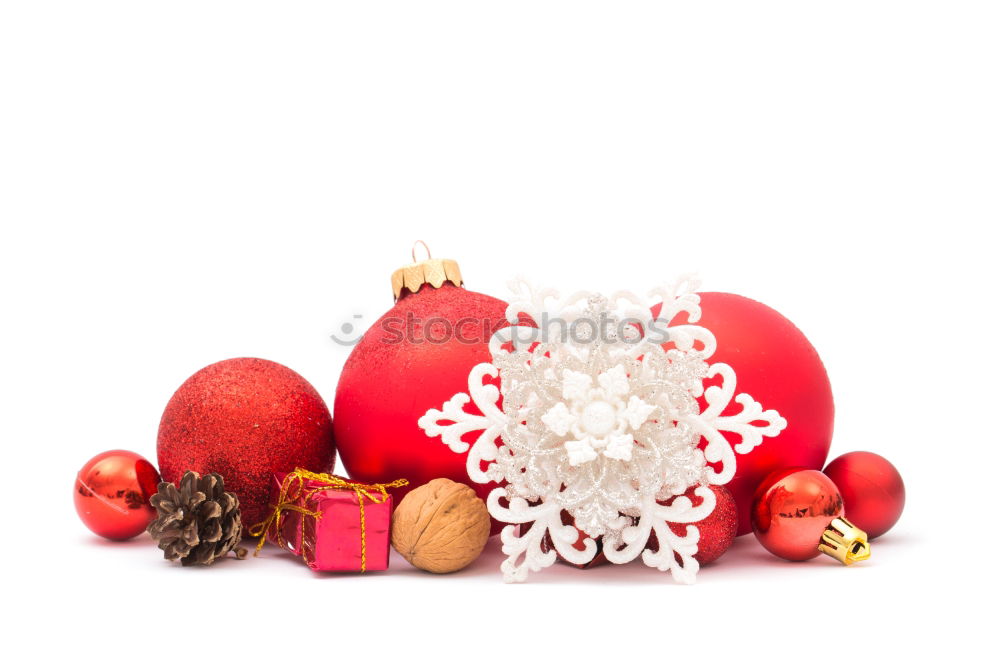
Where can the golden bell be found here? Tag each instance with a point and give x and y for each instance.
(844, 542)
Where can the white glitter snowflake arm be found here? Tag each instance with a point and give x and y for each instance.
(625, 546)
(453, 422)
(679, 297)
(710, 423)
(524, 551)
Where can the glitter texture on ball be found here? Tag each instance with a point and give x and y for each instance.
(249, 420)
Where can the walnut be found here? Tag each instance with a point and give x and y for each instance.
(440, 527)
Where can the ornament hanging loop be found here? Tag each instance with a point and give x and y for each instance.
(413, 251)
(435, 272)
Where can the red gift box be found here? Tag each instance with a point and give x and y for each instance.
(335, 524)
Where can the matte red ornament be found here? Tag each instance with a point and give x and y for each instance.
(777, 365)
(872, 489)
(249, 420)
(112, 492)
(799, 513)
(716, 532)
(415, 357)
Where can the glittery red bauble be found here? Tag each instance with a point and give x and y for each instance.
(872, 489)
(112, 494)
(716, 532)
(791, 510)
(249, 420)
(414, 358)
(780, 369)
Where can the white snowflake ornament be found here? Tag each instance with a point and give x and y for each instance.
(600, 418)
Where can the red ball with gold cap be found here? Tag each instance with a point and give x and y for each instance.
(799, 513)
(415, 357)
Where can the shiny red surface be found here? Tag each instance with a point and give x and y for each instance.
(779, 368)
(249, 420)
(112, 492)
(386, 386)
(872, 489)
(792, 509)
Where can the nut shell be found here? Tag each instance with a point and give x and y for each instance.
(441, 527)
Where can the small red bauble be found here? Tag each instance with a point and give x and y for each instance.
(415, 357)
(872, 489)
(799, 513)
(791, 509)
(716, 532)
(112, 494)
(249, 420)
(777, 365)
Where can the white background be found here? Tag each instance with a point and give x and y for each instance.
(191, 181)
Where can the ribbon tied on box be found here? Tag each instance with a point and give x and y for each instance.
(298, 494)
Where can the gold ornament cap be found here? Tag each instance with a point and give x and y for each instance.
(844, 542)
(434, 272)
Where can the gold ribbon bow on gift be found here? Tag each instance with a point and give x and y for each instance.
(294, 494)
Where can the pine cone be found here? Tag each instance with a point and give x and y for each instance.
(198, 522)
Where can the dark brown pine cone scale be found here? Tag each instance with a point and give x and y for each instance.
(198, 521)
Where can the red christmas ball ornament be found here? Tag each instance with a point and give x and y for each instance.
(415, 357)
(112, 494)
(248, 420)
(777, 365)
(716, 532)
(872, 489)
(799, 513)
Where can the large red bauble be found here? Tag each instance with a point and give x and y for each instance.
(779, 368)
(872, 489)
(414, 358)
(249, 420)
(112, 492)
